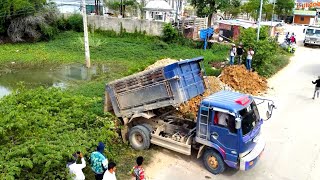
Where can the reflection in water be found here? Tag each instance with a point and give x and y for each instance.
(4, 91)
(46, 76)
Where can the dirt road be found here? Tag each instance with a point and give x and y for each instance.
(293, 134)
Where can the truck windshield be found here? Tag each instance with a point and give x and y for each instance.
(250, 117)
(313, 32)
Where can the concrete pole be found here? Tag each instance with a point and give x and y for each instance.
(85, 32)
(259, 20)
(274, 3)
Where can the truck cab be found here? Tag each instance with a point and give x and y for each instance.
(229, 129)
(312, 35)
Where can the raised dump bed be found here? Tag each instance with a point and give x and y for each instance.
(164, 86)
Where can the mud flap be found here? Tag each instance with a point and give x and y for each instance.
(124, 133)
(201, 150)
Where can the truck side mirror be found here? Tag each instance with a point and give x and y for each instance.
(304, 30)
(238, 123)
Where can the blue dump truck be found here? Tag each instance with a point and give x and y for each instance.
(226, 132)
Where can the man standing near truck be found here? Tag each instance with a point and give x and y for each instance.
(98, 161)
(317, 87)
(239, 53)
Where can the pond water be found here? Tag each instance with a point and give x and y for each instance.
(47, 76)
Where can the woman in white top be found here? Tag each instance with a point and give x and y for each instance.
(76, 169)
(233, 52)
(249, 58)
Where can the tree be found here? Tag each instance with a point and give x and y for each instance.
(284, 7)
(234, 8)
(253, 7)
(208, 7)
(130, 5)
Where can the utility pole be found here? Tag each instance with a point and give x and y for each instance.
(259, 20)
(274, 3)
(85, 32)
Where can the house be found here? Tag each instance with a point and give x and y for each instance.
(164, 10)
(304, 17)
(230, 29)
(158, 10)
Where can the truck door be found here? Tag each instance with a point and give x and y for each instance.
(224, 134)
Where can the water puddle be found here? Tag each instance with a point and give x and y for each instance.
(47, 76)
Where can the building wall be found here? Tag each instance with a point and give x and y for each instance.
(301, 19)
(111, 23)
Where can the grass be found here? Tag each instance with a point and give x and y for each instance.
(129, 53)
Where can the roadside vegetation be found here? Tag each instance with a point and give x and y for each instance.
(269, 58)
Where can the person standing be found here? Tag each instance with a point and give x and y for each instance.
(137, 171)
(76, 169)
(249, 59)
(240, 53)
(277, 37)
(317, 87)
(233, 52)
(287, 37)
(293, 39)
(110, 174)
(98, 161)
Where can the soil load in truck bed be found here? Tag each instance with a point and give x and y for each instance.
(152, 89)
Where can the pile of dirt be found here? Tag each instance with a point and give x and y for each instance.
(190, 108)
(240, 79)
(161, 63)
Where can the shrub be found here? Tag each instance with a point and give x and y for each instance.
(170, 34)
(41, 128)
(62, 24)
(48, 32)
(75, 22)
(266, 60)
(159, 45)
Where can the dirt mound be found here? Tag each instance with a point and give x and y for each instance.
(160, 63)
(190, 108)
(244, 81)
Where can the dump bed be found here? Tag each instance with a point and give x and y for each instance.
(164, 86)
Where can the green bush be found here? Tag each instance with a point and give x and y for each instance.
(266, 60)
(62, 24)
(170, 34)
(159, 45)
(75, 22)
(48, 32)
(41, 128)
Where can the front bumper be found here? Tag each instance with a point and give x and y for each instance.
(312, 42)
(250, 160)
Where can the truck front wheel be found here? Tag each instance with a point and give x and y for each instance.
(213, 161)
(139, 138)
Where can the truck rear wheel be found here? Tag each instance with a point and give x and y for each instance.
(139, 138)
(213, 161)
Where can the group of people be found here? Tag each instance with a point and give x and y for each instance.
(291, 39)
(238, 52)
(102, 169)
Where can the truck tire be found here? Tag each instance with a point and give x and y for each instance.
(139, 138)
(213, 161)
(148, 126)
